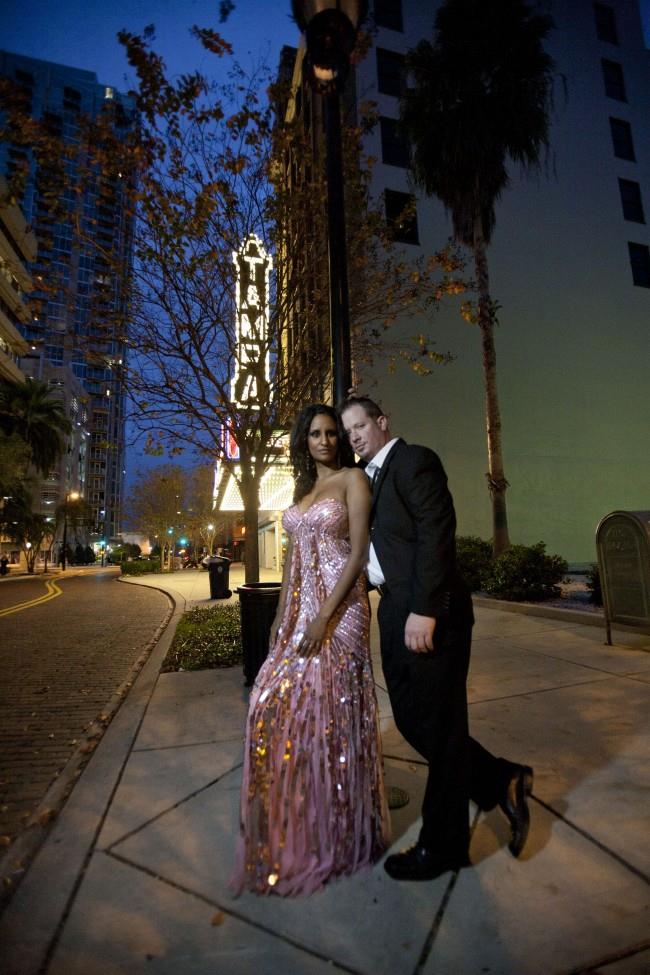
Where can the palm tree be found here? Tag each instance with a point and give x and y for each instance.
(30, 411)
(481, 99)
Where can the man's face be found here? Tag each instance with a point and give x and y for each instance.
(367, 435)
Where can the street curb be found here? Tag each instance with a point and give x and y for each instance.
(73, 813)
(554, 613)
(538, 609)
(173, 594)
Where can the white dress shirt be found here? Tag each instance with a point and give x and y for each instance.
(375, 574)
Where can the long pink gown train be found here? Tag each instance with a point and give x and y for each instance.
(312, 798)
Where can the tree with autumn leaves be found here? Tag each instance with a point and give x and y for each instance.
(171, 501)
(203, 171)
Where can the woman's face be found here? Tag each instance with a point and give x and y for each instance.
(323, 439)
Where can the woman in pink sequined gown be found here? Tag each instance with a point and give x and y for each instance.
(312, 800)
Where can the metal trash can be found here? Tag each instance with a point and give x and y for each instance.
(219, 569)
(259, 603)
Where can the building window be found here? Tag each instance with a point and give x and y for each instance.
(71, 100)
(24, 78)
(388, 13)
(394, 148)
(401, 216)
(613, 78)
(631, 200)
(622, 139)
(605, 23)
(640, 262)
(390, 72)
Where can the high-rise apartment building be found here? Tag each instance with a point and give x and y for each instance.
(81, 303)
(17, 248)
(570, 270)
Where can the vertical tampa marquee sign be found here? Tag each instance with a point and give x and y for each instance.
(250, 382)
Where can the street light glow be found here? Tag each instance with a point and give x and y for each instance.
(70, 496)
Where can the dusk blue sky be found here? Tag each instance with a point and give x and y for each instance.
(82, 33)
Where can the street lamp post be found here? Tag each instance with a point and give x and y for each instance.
(330, 28)
(71, 496)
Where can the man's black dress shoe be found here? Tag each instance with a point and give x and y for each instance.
(515, 806)
(418, 863)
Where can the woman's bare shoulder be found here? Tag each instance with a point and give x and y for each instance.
(354, 476)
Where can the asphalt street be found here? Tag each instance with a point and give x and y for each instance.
(67, 644)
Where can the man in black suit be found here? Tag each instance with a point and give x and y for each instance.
(425, 623)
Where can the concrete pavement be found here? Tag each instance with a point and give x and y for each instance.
(133, 876)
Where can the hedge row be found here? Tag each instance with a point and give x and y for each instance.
(522, 572)
(140, 568)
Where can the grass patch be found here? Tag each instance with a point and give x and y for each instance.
(206, 637)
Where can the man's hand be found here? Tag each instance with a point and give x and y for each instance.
(418, 633)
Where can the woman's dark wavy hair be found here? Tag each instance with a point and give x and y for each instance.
(304, 465)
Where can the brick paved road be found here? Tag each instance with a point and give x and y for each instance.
(61, 663)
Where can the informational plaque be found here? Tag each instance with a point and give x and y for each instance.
(623, 543)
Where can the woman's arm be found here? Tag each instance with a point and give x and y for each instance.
(282, 601)
(357, 499)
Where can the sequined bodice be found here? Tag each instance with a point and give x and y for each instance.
(328, 516)
(321, 547)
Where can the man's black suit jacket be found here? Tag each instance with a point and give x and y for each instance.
(413, 527)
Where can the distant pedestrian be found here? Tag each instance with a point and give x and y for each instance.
(4, 562)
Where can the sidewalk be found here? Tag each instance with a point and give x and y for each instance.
(133, 876)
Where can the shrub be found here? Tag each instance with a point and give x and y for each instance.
(525, 572)
(140, 568)
(205, 638)
(473, 556)
(593, 585)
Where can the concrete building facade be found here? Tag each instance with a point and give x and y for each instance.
(570, 269)
(21, 361)
(17, 250)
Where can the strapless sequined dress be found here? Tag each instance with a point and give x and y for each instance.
(312, 798)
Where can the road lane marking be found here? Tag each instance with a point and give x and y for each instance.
(52, 591)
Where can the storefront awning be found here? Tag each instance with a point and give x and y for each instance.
(276, 490)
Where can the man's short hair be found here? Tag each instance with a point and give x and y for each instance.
(370, 408)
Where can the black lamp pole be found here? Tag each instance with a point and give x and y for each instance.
(337, 252)
(71, 496)
(330, 33)
(65, 533)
